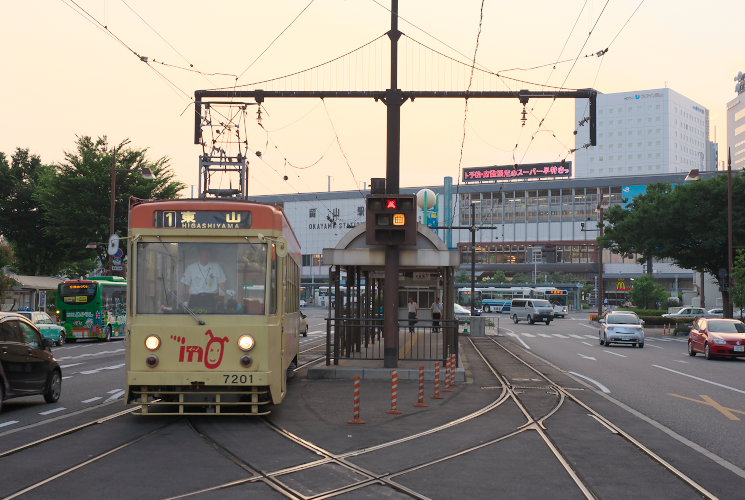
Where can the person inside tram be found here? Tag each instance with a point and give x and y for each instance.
(203, 281)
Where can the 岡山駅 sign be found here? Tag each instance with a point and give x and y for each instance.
(527, 171)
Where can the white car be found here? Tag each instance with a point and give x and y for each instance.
(560, 311)
(621, 329)
(688, 313)
(717, 312)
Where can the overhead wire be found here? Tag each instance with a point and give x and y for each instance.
(465, 111)
(240, 75)
(81, 11)
(338, 141)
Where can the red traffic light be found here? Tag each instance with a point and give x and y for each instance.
(391, 203)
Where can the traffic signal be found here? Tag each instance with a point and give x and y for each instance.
(391, 219)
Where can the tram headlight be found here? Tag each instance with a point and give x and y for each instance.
(152, 342)
(246, 342)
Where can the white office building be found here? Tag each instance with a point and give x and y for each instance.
(656, 131)
(736, 126)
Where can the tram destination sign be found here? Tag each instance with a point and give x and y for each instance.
(526, 171)
(202, 219)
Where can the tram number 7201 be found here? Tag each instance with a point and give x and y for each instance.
(238, 379)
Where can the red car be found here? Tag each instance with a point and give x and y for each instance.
(717, 337)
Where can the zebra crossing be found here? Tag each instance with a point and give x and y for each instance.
(584, 336)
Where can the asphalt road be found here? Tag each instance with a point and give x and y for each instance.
(700, 401)
(92, 373)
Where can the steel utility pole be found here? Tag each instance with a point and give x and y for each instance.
(393, 98)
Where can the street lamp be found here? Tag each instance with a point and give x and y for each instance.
(145, 173)
(473, 254)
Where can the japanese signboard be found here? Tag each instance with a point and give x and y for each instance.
(526, 171)
(202, 219)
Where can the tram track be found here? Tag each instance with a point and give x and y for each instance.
(537, 414)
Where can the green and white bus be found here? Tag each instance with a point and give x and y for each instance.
(93, 308)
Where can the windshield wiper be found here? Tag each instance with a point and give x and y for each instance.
(191, 313)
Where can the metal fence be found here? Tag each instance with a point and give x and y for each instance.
(362, 339)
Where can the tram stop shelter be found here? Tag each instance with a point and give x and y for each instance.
(355, 317)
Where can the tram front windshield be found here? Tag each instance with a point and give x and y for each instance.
(204, 278)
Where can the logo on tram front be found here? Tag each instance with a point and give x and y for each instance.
(211, 355)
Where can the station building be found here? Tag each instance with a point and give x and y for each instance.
(541, 227)
(544, 220)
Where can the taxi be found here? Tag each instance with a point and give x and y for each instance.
(46, 325)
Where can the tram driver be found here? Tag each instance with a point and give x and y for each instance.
(203, 281)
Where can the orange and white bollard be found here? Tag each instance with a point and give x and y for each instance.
(356, 405)
(420, 400)
(394, 393)
(453, 369)
(437, 394)
(448, 374)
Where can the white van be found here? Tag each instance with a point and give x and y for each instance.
(532, 310)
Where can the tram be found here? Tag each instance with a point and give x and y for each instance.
(213, 312)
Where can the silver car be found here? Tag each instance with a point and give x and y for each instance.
(621, 329)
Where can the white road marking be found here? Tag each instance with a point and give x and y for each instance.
(49, 412)
(68, 376)
(546, 335)
(316, 331)
(527, 334)
(587, 343)
(588, 326)
(113, 391)
(680, 361)
(560, 336)
(701, 379)
(656, 347)
(90, 372)
(591, 336)
(70, 365)
(91, 400)
(586, 357)
(575, 336)
(513, 334)
(9, 422)
(91, 354)
(598, 384)
(615, 353)
(117, 394)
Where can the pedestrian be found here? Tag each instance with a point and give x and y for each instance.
(412, 314)
(436, 315)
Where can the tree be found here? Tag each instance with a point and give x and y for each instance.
(21, 217)
(6, 259)
(76, 198)
(496, 277)
(687, 225)
(738, 272)
(522, 278)
(646, 292)
(462, 277)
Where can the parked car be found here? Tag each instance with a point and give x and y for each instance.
(620, 328)
(303, 327)
(717, 312)
(46, 325)
(688, 313)
(27, 366)
(717, 337)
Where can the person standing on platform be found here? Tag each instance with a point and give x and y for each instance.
(436, 315)
(412, 314)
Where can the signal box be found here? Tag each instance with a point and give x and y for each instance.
(391, 219)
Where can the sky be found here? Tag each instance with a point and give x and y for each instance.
(75, 68)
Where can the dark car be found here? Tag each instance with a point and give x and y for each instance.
(27, 366)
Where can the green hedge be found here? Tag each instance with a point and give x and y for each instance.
(644, 312)
(659, 320)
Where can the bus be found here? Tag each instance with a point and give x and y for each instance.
(93, 308)
(499, 300)
(214, 306)
(558, 297)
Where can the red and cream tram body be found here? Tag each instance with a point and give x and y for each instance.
(213, 311)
